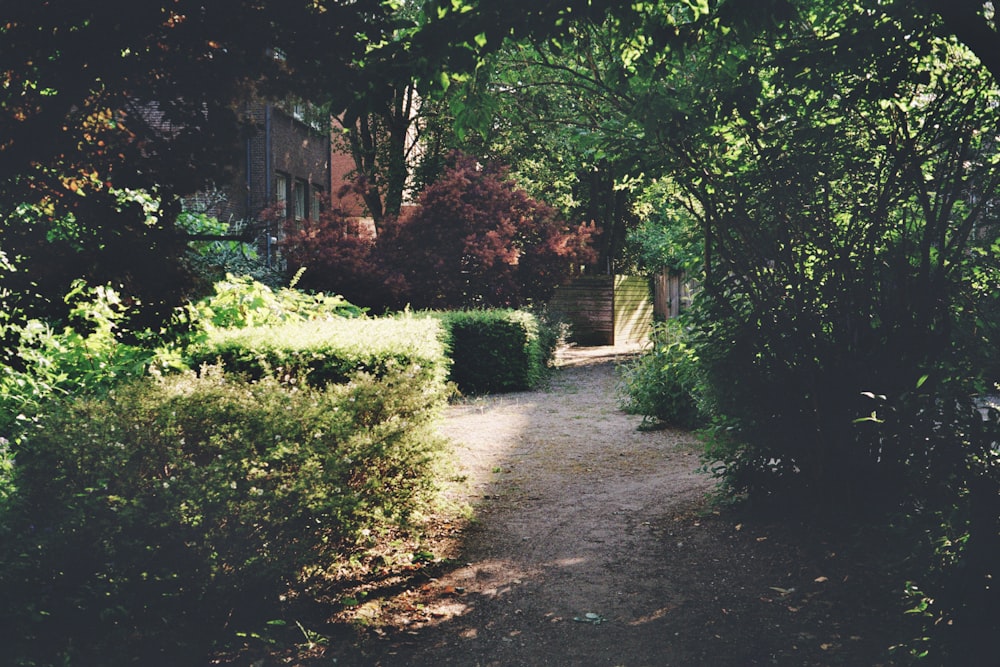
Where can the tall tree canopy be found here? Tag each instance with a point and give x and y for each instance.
(111, 111)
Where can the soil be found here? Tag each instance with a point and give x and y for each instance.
(591, 542)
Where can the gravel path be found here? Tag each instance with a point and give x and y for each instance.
(563, 564)
(592, 544)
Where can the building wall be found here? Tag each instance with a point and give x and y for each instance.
(277, 145)
(342, 170)
(299, 151)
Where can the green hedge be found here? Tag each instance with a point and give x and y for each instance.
(147, 521)
(330, 351)
(481, 351)
(496, 350)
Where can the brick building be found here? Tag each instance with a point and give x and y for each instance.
(288, 161)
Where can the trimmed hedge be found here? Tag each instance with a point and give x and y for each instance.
(481, 351)
(331, 351)
(146, 522)
(496, 350)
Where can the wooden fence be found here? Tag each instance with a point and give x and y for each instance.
(605, 310)
(672, 294)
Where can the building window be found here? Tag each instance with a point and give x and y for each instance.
(300, 199)
(281, 193)
(315, 199)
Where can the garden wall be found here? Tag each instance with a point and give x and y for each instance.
(605, 310)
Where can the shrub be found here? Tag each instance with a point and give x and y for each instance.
(338, 255)
(663, 383)
(86, 357)
(322, 352)
(476, 240)
(496, 350)
(241, 301)
(146, 521)
(553, 331)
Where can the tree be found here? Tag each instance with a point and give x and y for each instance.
(337, 256)
(561, 120)
(104, 111)
(838, 200)
(477, 240)
(974, 23)
(382, 137)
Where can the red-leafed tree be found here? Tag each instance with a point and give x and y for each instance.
(339, 256)
(475, 239)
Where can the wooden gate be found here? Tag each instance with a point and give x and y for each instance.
(671, 294)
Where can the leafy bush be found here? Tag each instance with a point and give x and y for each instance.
(241, 301)
(476, 240)
(497, 350)
(954, 521)
(88, 355)
(147, 520)
(663, 383)
(553, 331)
(338, 255)
(321, 352)
(85, 357)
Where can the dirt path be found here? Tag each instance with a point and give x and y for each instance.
(592, 544)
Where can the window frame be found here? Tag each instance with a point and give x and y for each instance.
(315, 202)
(281, 181)
(299, 198)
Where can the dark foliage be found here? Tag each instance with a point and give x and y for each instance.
(339, 255)
(494, 351)
(105, 100)
(473, 240)
(477, 240)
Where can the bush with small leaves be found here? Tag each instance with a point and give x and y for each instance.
(663, 383)
(146, 521)
(497, 350)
